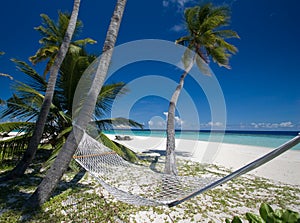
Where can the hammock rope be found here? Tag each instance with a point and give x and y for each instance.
(139, 185)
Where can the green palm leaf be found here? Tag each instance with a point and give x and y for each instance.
(107, 96)
(121, 150)
(15, 126)
(36, 81)
(83, 42)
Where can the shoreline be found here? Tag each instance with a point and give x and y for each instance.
(232, 156)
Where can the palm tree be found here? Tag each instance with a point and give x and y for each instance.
(42, 117)
(26, 103)
(54, 174)
(205, 40)
(53, 36)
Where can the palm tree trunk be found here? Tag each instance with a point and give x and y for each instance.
(61, 163)
(170, 163)
(42, 118)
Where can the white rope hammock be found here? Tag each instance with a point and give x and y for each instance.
(138, 185)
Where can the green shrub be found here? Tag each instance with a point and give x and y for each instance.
(268, 215)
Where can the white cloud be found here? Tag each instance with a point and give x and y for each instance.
(179, 4)
(157, 124)
(286, 124)
(215, 124)
(178, 121)
(268, 125)
(178, 28)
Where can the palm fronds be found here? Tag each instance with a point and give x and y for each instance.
(121, 150)
(6, 75)
(107, 96)
(34, 79)
(206, 38)
(16, 126)
(52, 37)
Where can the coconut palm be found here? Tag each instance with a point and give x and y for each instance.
(52, 37)
(205, 40)
(26, 102)
(35, 139)
(54, 174)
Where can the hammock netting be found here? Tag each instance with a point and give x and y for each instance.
(133, 183)
(139, 185)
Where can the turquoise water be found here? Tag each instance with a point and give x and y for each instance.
(254, 138)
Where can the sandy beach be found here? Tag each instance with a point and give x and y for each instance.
(233, 156)
(279, 186)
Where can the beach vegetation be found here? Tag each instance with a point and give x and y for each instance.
(206, 39)
(86, 201)
(267, 214)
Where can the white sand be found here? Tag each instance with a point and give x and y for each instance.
(284, 168)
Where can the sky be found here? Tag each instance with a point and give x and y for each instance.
(259, 92)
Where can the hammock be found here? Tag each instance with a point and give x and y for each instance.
(139, 185)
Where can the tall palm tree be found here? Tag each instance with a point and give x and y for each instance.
(54, 174)
(205, 40)
(29, 154)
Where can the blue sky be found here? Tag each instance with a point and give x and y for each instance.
(261, 90)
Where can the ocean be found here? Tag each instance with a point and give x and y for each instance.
(271, 139)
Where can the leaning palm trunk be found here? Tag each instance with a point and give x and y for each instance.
(170, 164)
(61, 163)
(42, 118)
(204, 40)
